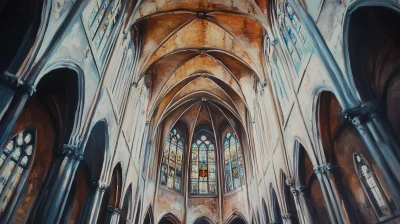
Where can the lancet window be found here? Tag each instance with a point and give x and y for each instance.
(371, 186)
(292, 34)
(100, 19)
(14, 162)
(234, 168)
(171, 167)
(203, 167)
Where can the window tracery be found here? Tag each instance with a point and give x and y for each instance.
(371, 186)
(234, 169)
(100, 19)
(14, 163)
(203, 167)
(292, 34)
(171, 167)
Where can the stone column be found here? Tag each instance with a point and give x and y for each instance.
(380, 151)
(332, 211)
(304, 204)
(300, 213)
(61, 178)
(93, 204)
(112, 215)
(336, 198)
(287, 218)
(13, 96)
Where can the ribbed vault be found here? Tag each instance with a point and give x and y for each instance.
(201, 59)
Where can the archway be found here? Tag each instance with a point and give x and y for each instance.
(44, 125)
(84, 193)
(74, 208)
(236, 218)
(20, 20)
(310, 195)
(203, 220)
(149, 218)
(289, 200)
(169, 218)
(344, 147)
(277, 215)
(265, 208)
(373, 58)
(126, 212)
(138, 210)
(110, 204)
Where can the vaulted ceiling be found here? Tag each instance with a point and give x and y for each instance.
(201, 58)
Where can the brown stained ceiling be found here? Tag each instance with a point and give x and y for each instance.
(202, 57)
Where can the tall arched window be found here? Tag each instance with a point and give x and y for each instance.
(203, 167)
(14, 162)
(171, 167)
(292, 34)
(371, 186)
(234, 169)
(99, 19)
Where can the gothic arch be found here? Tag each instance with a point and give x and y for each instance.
(82, 196)
(111, 199)
(29, 21)
(276, 208)
(289, 200)
(169, 218)
(341, 143)
(54, 104)
(149, 217)
(308, 186)
(126, 211)
(236, 218)
(138, 211)
(265, 211)
(203, 220)
(373, 71)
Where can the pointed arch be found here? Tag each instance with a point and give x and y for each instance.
(149, 218)
(236, 218)
(126, 211)
(203, 220)
(169, 218)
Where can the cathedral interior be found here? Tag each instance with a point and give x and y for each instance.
(199, 111)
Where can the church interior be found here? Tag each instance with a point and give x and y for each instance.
(199, 111)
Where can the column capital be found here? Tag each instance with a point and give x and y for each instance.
(70, 151)
(16, 83)
(113, 210)
(363, 111)
(324, 168)
(289, 182)
(286, 215)
(100, 185)
(302, 189)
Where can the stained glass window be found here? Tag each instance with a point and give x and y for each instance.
(100, 19)
(171, 166)
(233, 161)
(14, 161)
(203, 174)
(292, 35)
(371, 186)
